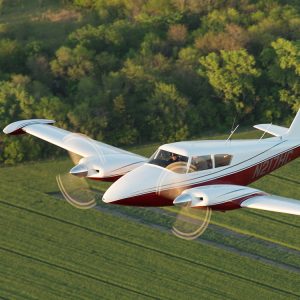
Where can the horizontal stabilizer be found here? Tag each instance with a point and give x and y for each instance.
(273, 203)
(272, 129)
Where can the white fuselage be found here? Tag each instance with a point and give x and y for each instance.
(153, 185)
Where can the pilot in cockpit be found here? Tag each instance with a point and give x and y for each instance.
(173, 158)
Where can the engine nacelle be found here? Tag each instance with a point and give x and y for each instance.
(108, 167)
(210, 195)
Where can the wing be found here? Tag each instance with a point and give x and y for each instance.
(273, 203)
(111, 161)
(229, 196)
(73, 142)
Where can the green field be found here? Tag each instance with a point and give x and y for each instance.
(50, 250)
(46, 21)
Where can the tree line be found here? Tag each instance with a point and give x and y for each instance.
(157, 70)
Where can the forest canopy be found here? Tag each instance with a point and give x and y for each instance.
(136, 71)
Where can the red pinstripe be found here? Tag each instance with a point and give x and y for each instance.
(166, 197)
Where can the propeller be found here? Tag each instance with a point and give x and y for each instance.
(76, 191)
(190, 222)
(73, 185)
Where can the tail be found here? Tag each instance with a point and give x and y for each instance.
(294, 130)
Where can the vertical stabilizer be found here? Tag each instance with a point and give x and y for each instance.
(294, 130)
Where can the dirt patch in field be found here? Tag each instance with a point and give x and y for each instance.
(62, 15)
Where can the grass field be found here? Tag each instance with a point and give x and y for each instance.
(50, 250)
(48, 21)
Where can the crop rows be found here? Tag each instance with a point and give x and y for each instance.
(91, 243)
(50, 249)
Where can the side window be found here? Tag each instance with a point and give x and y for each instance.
(222, 160)
(200, 163)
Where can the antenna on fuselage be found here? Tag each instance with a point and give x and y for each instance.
(233, 130)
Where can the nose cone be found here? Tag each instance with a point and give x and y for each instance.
(140, 187)
(183, 200)
(79, 170)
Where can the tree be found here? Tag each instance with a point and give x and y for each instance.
(21, 148)
(231, 74)
(52, 108)
(217, 20)
(15, 102)
(91, 37)
(73, 63)
(11, 56)
(123, 131)
(275, 21)
(39, 68)
(1, 6)
(233, 38)
(177, 34)
(288, 54)
(167, 113)
(283, 65)
(109, 10)
(90, 118)
(84, 3)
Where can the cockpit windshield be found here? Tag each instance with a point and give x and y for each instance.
(181, 164)
(170, 160)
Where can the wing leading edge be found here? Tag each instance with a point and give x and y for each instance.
(273, 203)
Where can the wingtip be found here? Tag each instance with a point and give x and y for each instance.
(16, 128)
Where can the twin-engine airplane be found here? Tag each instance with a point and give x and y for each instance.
(198, 174)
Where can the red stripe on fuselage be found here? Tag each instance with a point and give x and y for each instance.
(243, 177)
(107, 179)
